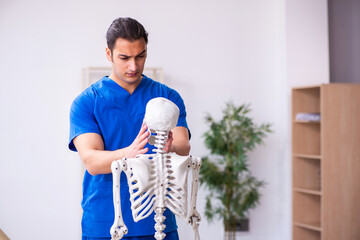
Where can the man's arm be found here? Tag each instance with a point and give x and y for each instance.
(179, 142)
(90, 147)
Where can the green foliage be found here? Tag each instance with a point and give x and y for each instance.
(233, 190)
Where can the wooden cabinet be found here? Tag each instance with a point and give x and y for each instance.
(326, 162)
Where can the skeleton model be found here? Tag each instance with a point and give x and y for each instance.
(157, 181)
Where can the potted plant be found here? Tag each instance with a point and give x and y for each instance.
(233, 191)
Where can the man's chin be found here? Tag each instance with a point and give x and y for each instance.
(133, 80)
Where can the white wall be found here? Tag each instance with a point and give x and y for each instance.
(307, 39)
(211, 51)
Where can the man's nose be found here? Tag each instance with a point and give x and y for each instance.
(132, 65)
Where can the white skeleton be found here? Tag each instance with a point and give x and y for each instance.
(157, 181)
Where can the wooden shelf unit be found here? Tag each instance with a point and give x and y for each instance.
(326, 163)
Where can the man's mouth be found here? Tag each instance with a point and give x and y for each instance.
(132, 74)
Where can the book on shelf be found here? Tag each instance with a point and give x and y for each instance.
(308, 117)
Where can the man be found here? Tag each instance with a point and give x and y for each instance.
(106, 125)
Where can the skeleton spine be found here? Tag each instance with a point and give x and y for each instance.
(160, 142)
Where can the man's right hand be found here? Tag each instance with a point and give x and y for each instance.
(138, 145)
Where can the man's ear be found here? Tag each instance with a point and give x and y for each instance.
(108, 54)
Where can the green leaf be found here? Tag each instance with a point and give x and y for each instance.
(225, 172)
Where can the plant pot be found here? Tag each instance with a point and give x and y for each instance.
(232, 228)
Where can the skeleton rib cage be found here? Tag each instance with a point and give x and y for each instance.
(156, 181)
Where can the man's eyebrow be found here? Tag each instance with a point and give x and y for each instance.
(142, 52)
(126, 56)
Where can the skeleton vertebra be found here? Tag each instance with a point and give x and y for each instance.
(157, 181)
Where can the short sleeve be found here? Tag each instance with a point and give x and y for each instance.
(82, 118)
(176, 98)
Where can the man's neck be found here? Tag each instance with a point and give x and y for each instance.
(129, 87)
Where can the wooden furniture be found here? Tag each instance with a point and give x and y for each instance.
(3, 236)
(326, 163)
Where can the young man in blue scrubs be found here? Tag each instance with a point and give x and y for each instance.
(106, 124)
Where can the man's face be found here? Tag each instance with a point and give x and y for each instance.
(128, 60)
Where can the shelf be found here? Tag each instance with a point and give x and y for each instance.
(306, 207)
(307, 156)
(325, 157)
(306, 122)
(305, 100)
(308, 191)
(302, 233)
(306, 139)
(307, 177)
(313, 226)
(307, 87)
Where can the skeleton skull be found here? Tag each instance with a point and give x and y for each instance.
(161, 114)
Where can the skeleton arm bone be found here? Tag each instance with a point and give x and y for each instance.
(193, 216)
(118, 229)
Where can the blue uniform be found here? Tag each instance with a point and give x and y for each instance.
(109, 110)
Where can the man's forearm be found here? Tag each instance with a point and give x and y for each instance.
(99, 161)
(180, 144)
(182, 149)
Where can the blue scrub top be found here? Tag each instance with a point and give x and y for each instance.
(109, 110)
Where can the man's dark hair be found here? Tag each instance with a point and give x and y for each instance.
(126, 28)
